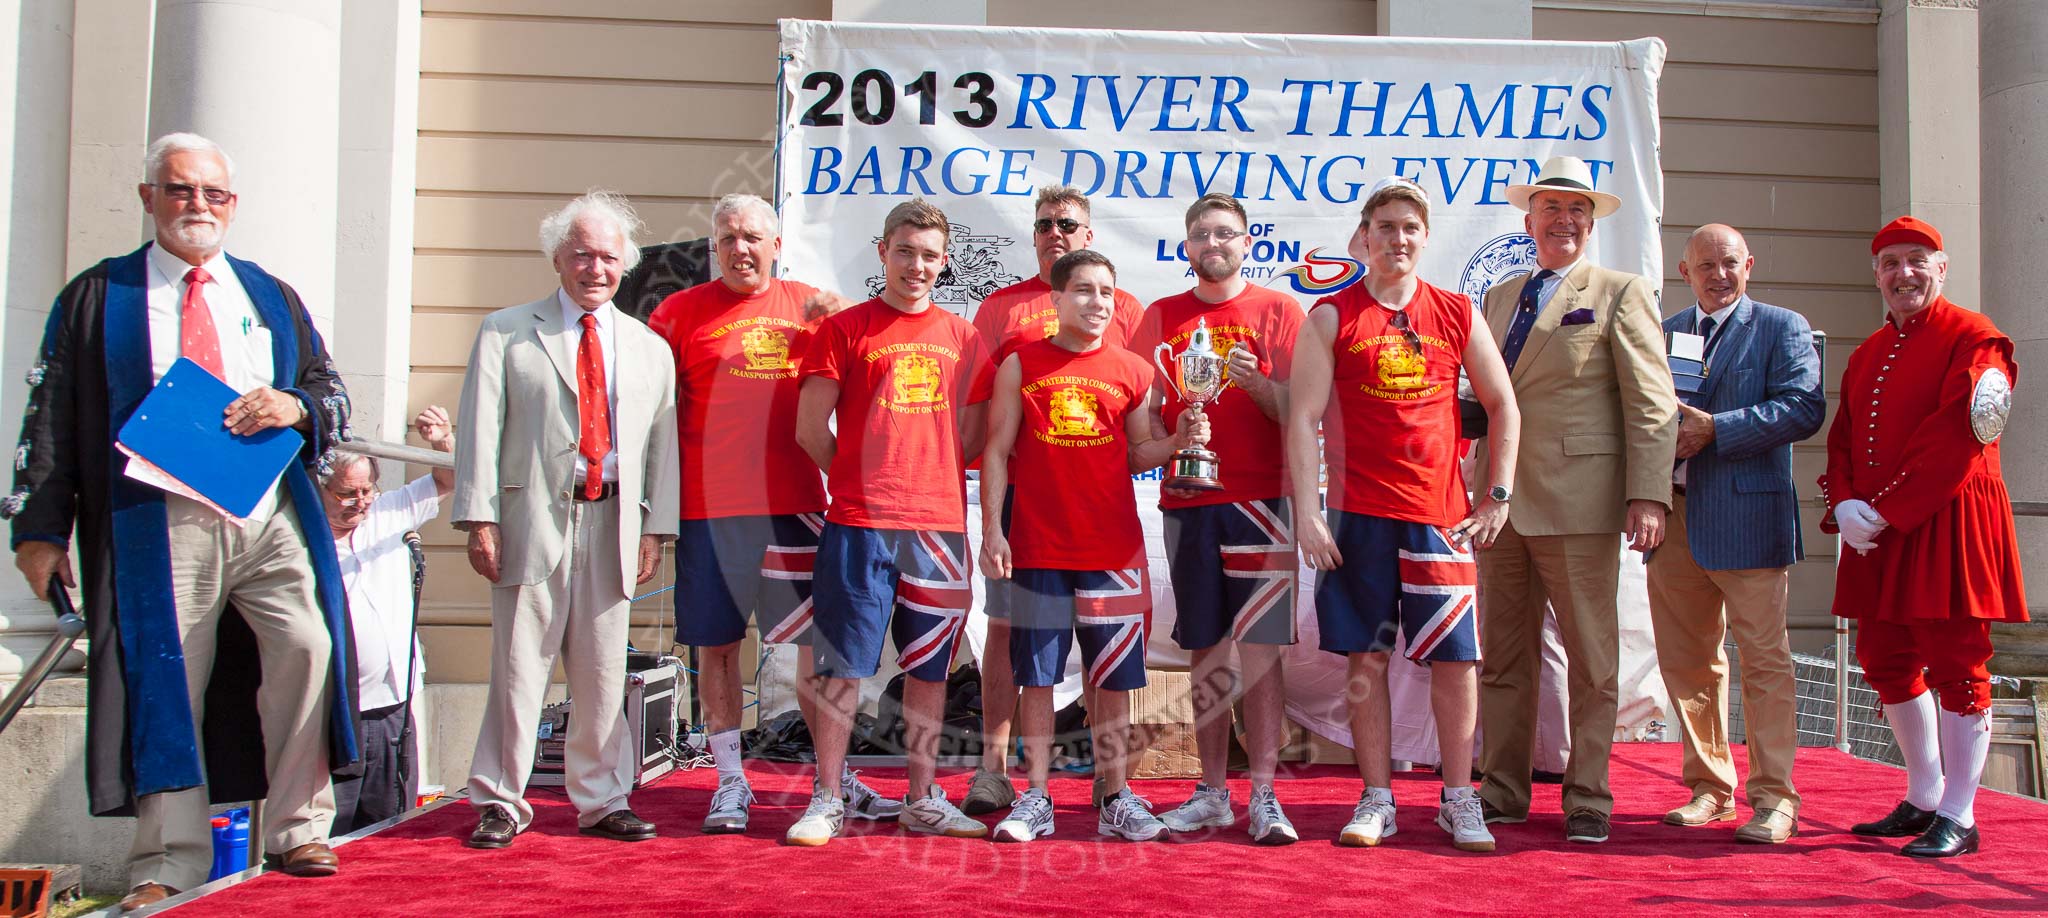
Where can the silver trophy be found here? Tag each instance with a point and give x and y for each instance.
(1201, 378)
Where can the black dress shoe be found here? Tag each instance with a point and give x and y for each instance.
(1904, 820)
(622, 825)
(494, 829)
(1943, 839)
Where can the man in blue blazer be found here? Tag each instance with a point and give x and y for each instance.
(1732, 538)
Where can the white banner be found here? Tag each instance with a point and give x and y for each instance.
(1298, 127)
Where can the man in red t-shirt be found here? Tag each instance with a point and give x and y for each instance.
(1068, 411)
(1377, 366)
(1231, 551)
(895, 371)
(752, 502)
(1015, 315)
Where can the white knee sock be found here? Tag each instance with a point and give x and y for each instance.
(1913, 725)
(725, 752)
(1965, 742)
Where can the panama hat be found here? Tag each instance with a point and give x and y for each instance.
(1565, 173)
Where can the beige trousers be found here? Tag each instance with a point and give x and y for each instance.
(1690, 608)
(264, 569)
(1578, 574)
(580, 612)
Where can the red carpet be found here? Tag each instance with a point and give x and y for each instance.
(421, 868)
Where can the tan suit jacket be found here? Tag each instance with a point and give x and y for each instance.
(1599, 416)
(515, 449)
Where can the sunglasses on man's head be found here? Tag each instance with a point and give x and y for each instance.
(1067, 225)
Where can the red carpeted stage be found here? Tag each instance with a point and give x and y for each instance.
(419, 867)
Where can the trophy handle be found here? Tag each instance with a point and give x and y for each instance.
(1166, 375)
(1229, 380)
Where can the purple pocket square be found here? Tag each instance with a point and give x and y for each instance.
(1581, 316)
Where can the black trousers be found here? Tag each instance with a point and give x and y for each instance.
(387, 787)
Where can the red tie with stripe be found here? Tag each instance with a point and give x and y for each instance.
(198, 340)
(593, 408)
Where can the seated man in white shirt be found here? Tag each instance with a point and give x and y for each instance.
(376, 568)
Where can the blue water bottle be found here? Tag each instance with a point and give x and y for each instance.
(230, 843)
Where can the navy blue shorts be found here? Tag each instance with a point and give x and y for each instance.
(1398, 576)
(911, 583)
(729, 566)
(1108, 611)
(1233, 568)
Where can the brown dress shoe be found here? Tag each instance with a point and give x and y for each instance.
(621, 825)
(312, 859)
(1702, 810)
(146, 895)
(1768, 827)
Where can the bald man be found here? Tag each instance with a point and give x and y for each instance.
(1732, 538)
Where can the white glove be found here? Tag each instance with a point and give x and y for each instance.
(1859, 523)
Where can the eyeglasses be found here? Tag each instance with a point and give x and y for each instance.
(179, 191)
(361, 497)
(1400, 324)
(1219, 235)
(1067, 225)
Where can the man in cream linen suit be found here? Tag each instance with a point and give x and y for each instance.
(566, 481)
(1585, 354)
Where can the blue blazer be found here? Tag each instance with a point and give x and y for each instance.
(1763, 388)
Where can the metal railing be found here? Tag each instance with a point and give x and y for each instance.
(398, 452)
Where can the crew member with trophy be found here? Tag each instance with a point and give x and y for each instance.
(1229, 541)
(1383, 357)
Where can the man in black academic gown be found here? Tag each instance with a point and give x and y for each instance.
(188, 609)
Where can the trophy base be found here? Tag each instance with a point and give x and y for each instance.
(1192, 470)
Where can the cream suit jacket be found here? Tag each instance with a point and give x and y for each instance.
(1599, 416)
(515, 445)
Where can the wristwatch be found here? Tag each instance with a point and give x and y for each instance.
(1498, 493)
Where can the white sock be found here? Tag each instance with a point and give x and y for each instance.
(725, 751)
(1913, 726)
(1455, 793)
(1965, 742)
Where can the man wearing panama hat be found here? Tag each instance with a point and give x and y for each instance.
(1585, 354)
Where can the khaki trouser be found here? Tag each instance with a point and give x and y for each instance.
(581, 613)
(264, 569)
(1687, 607)
(1578, 573)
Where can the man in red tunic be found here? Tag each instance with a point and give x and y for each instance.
(1913, 485)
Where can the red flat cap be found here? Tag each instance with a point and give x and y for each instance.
(1907, 229)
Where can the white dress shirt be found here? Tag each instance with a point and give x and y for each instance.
(244, 341)
(376, 569)
(607, 324)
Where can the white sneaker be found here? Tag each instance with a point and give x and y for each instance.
(1268, 826)
(863, 803)
(729, 803)
(821, 820)
(933, 814)
(1460, 815)
(1030, 817)
(1372, 821)
(1209, 808)
(1129, 817)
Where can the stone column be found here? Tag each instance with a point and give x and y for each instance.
(1465, 19)
(109, 129)
(262, 79)
(2013, 85)
(379, 117)
(1927, 129)
(35, 72)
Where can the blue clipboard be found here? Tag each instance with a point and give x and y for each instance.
(178, 428)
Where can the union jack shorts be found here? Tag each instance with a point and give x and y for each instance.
(1108, 612)
(911, 583)
(1233, 568)
(728, 566)
(1403, 577)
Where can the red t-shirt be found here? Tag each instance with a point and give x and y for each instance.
(1248, 445)
(1023, 312)
(902, 380)
(1075, 508)
(1390, 433)
(736, 387)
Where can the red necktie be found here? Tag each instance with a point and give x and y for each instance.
(197, 338)
(593, 407)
